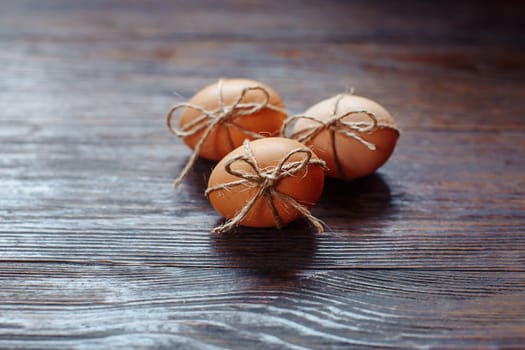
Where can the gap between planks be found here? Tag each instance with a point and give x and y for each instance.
(210, 267)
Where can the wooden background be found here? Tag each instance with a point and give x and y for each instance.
(98, 251)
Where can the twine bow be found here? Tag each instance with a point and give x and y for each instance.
(336, 123)
(223, 115)
(266, 180)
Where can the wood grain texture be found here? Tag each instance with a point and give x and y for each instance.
(233, 308)
(98, 251)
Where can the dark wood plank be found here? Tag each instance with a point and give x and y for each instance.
(236, 309)
(98, 251)
(447, 22)
(455, 201)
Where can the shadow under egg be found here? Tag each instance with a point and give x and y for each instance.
(361, 203)
(268, 251)
(196, 180)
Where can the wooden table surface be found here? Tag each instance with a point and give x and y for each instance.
(97, 250)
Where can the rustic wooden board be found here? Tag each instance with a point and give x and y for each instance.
(93, 306)
(98, 251)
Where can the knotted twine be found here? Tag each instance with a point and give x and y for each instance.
(336, 124)
(224, 115)
(266, 180)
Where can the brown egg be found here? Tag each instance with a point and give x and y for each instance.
(304, 186)
(345, 156)
(224, 138)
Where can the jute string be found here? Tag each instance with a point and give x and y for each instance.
(266, 181)
(336, 123)
(224, 115)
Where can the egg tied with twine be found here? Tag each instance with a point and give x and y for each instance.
(224, 115)
(266, 181)
(336, 123)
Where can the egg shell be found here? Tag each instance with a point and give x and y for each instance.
(305, 186)
(217, 145)
(355, 158)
